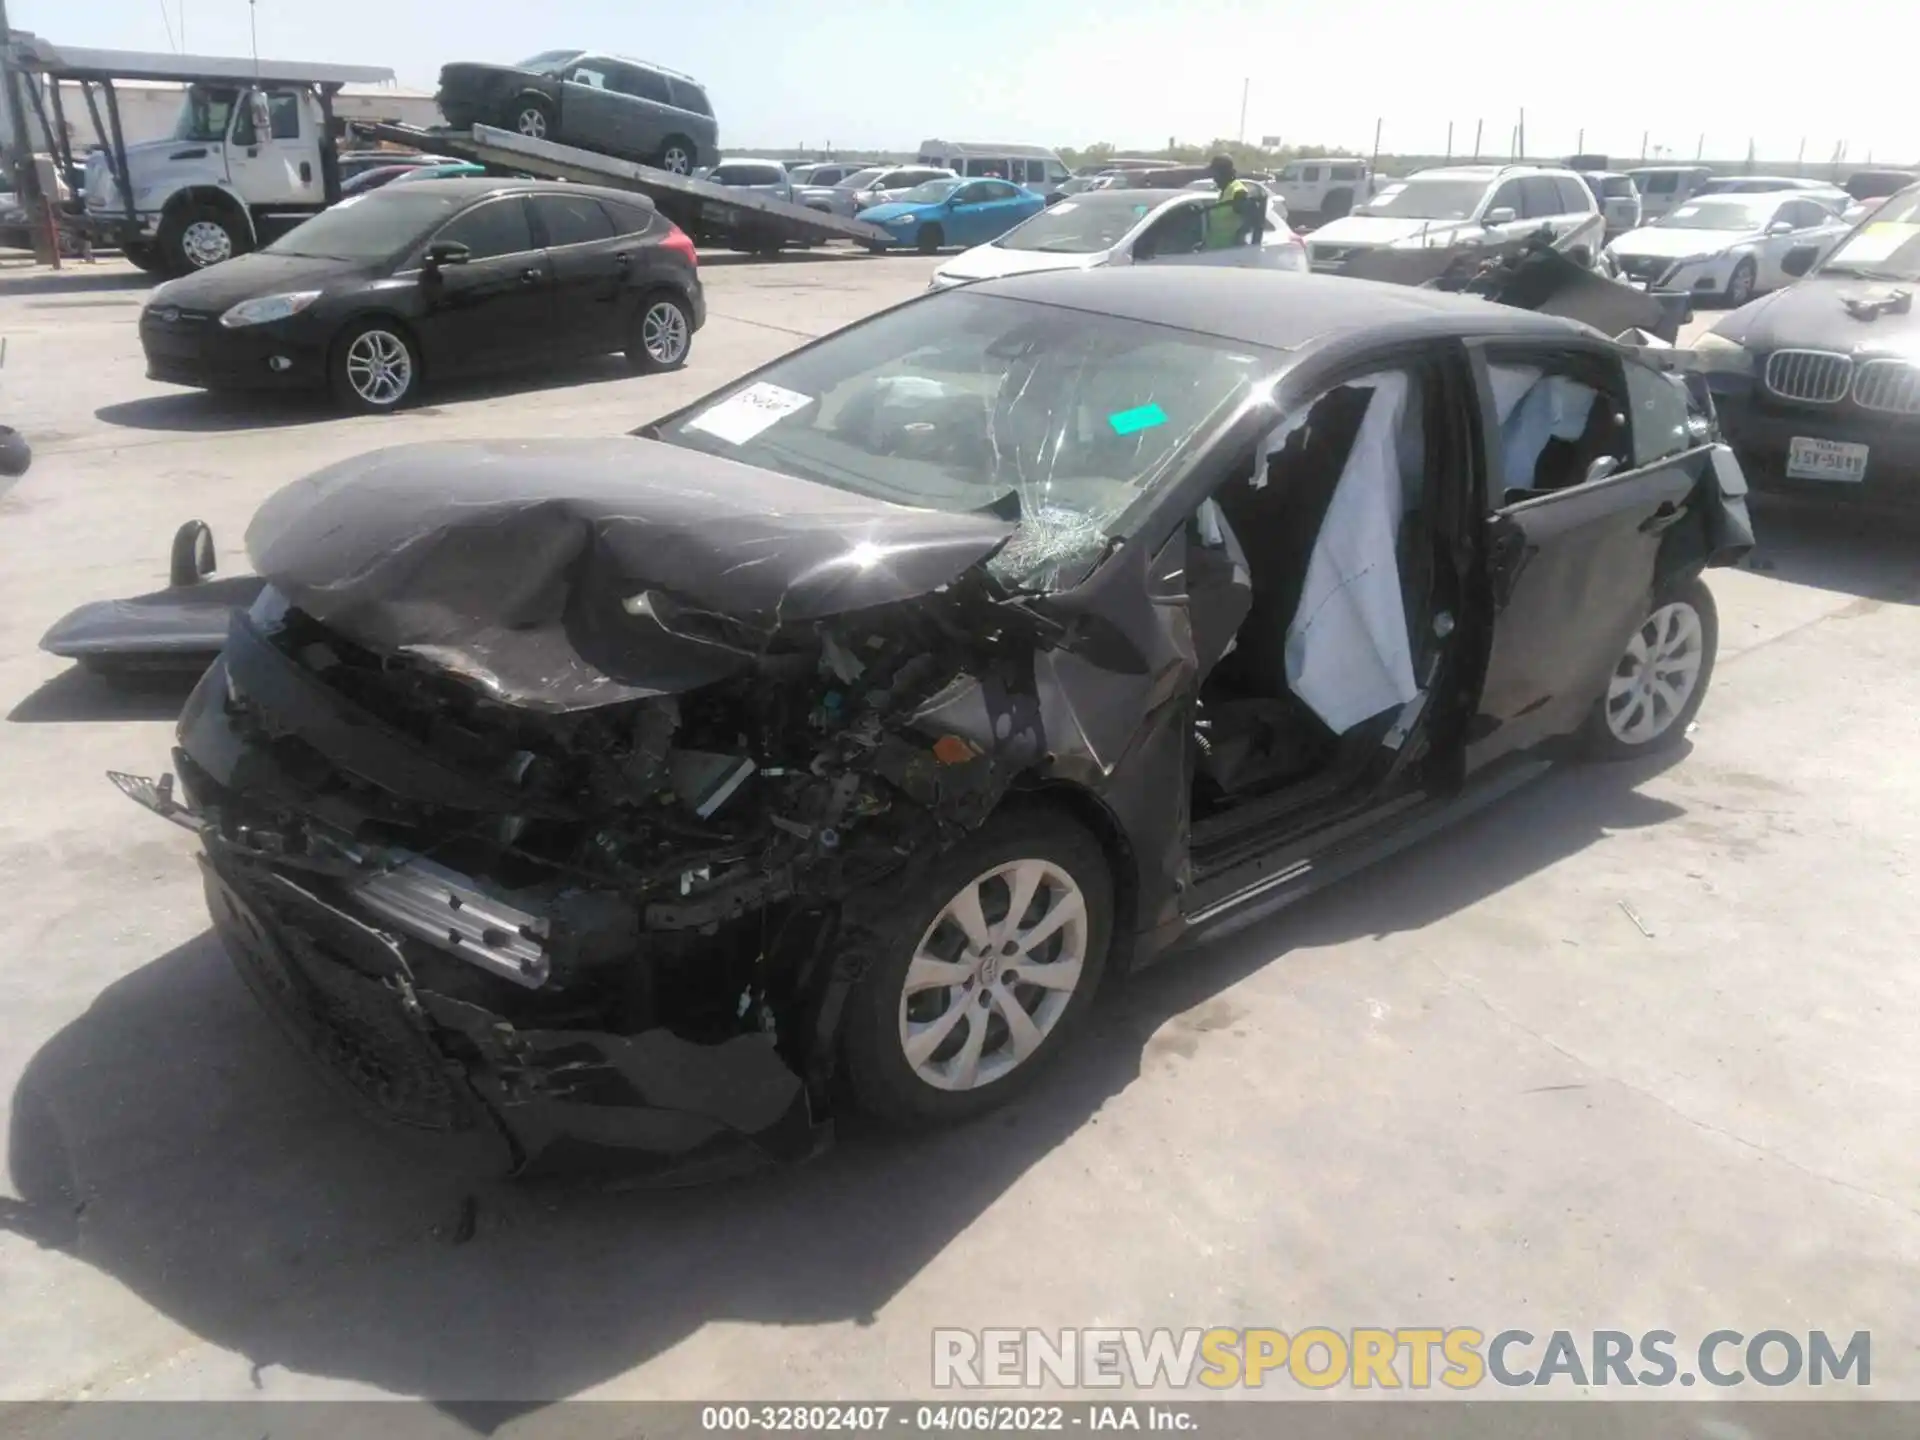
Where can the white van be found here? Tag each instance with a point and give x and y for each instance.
(1032, 167)
(1664, 187)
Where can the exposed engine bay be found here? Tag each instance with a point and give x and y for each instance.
(631, 905)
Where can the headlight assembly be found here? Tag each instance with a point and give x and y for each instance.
(268, 308)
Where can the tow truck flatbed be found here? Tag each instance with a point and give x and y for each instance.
(696, 206)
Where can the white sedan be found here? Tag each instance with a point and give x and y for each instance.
(1124, 227)
(1728, 247)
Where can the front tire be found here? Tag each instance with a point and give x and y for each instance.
(932, 237)
(676, 156)
(979, 977)
(1660, 680)
(662, 335)
(532, 117)
(1740, 285)
(194, 237)
(375, 367)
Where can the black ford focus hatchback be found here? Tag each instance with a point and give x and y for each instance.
(433, 278)
(646, 797)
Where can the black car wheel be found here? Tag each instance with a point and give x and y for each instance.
(932, 237)
(662, 335)
(977, 979)
(192, 237)
(375, 367)
(1740, 285)
(1661, 678)
(532, 117)
(676, 155)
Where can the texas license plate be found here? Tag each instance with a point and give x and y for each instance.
(1811, 459)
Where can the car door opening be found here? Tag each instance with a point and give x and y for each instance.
(1321, 603)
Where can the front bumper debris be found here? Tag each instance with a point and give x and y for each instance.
(485, 1095)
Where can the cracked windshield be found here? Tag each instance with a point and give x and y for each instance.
(1057, 418)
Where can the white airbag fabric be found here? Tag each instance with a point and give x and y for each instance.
(1348, 657)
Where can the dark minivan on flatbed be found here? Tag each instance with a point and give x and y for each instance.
(628, 108)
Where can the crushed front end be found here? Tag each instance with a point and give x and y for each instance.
(596, 937)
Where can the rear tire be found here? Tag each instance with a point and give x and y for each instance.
(662, 334)
(1660, 681)
(932, 237)
(901, 1000)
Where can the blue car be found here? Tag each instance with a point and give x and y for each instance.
(952, 212)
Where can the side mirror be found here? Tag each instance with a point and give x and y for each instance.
(1799, 260)
(447, 252)
(1780, 227)
(260, 114)
(1604, 466)
(1503, 216)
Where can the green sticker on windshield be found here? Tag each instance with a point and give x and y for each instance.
(1141, 417)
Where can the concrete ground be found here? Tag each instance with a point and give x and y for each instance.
(1632, 1050)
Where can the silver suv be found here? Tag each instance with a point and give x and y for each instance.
(1439, 216)
(626, 108)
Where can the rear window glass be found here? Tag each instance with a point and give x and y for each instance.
(1617, 187)
(689, 96)
(645, 83)
(1662, 182)
(572, 219)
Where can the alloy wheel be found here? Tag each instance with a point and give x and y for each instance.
(1657, 675)
(663, 331)
(379, 368)
(993, 974)
(674, 159)
(206, 242)
(1740, 285)
(532, 123)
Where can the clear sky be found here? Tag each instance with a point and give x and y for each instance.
(888, 73)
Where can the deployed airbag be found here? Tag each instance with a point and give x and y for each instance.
(1348, 656)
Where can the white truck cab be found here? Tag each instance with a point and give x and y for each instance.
(252, 151)
(239, 159)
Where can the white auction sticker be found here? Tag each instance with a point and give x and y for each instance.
(738, 418)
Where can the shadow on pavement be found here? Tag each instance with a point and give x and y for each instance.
(1873, 556)
(79, 694)
(169, 1139)
(74, 278)
(203, 410)
(207, 411)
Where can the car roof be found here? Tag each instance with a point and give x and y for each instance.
(1281, 312)
(750, 160)
(478, 187)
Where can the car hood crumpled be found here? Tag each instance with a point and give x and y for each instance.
(562, 574)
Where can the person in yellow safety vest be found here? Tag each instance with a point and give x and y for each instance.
(1227, 222)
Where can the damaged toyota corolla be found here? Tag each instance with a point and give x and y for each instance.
(635, 801)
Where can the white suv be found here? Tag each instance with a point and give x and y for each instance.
(1324, 189)
(1416, 231)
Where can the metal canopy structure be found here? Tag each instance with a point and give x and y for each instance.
(95, 71)
(35, 56)
(690, 204)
